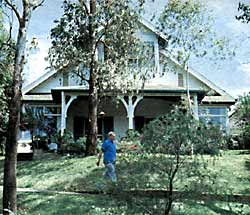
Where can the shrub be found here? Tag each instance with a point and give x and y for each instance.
(179, 131)
(172, 138)
(132, 141)
(69, 146)
(40, 142)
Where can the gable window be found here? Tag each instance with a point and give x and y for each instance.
(180, 80)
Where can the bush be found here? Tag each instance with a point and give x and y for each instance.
(180, 132)
(69, 146)
(40, 142)
(132, 141)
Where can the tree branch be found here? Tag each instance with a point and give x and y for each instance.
(85, 7)
(14, 9)
(102, 34)
(38, 5)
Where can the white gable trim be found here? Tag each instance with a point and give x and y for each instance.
(151, 27)
(199, 76)
(38, 81)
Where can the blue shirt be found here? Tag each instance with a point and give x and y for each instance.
(109, 150)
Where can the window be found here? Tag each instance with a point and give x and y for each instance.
(214, 115)
(46, 117)
(180, 80)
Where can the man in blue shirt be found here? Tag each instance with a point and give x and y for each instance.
(109, 158)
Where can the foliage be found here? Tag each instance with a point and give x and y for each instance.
(245, 13)
(132, 141)
(30, 121)
(96, 40)
(188, 26)
(242, 115)
(41, 142)
(23, 15)
(115, 44)
(178, 135)
(6, 56)
(180, 132)
(70, 146)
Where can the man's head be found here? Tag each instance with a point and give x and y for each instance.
(111, 135)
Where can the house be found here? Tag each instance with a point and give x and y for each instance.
(64, 102)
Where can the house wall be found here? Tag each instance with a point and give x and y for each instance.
(53, 82)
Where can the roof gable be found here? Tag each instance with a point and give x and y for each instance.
(48, 75)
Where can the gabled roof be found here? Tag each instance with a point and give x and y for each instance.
(38, 81)
(151, 27)
(200, 77)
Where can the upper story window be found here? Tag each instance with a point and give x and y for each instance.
(180, 80)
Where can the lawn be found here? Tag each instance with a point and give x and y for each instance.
(54, 172)
(34, 204)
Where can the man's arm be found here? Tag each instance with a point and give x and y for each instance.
(99, 158)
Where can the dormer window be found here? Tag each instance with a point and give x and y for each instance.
(180, 80)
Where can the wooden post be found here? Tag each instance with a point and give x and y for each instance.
(130, 108)
(63, 113)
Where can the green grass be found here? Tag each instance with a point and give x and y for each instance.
(54, 172)
(42, 204)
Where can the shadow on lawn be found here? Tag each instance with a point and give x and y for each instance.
(131, 174)
(43, 204)
(245, 152)
(247, 164)
(135, 175)
(39, 165)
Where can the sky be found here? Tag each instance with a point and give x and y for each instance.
(232, 75)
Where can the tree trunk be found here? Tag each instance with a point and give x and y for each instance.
(93, 92)
(172, 175)
(169, 199)
(9, 182)
(92, 128)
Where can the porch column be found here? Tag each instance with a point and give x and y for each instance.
(65, 107)
(196, 107)
(63, 113)
(130, 108)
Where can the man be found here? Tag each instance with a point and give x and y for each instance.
(109, 158)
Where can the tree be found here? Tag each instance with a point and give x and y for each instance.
(173, 137)
(9, 182)
(245, 13)
(190, 34)
(242, 115)
(5, 79)
(97, 40)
